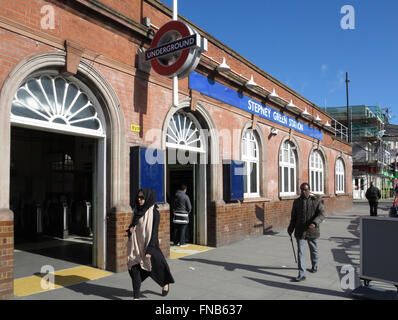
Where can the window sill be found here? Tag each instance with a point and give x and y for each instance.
(292, 197)
(258, 199)
(341, 194)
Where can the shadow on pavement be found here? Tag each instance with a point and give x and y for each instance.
(106, 292)
(300, 287)
(229, 266)
(347, 250)
(80, 285)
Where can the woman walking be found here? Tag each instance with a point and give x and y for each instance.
(144, 257)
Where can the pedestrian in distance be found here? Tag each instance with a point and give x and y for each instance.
(307, 214)
(373, 195)
(182, 209)
(144, 257)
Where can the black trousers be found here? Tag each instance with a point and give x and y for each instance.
(179, 233)
(373, 207)
(137, 275)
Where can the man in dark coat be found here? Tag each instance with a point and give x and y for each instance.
(307, 214)
(373, 195)
(182, 208)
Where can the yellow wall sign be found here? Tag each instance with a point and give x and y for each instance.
(135, 128)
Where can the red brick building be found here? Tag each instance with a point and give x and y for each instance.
(76, 100)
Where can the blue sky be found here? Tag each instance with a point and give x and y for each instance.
(302, 44)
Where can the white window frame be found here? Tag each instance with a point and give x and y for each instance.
(289, 148)
(317, 171)
(247, 156)
(339, 176)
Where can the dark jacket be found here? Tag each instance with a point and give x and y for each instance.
(373, 194)
(182, 208)
(304, 213)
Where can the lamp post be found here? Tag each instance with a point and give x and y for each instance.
(348, 113)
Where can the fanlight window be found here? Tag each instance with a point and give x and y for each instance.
(183, 133)
(55, 103)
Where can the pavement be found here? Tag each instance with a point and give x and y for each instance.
(260, 268)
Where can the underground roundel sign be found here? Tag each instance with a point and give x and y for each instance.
(175, 50)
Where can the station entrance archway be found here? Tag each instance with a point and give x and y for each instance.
(187, 165)
(57, 171)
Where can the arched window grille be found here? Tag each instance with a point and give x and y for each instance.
(53, 102)
(184, 133)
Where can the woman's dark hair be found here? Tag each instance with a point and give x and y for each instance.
(183, 187)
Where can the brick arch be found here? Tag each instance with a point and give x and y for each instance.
(112, 195)
(110, 106)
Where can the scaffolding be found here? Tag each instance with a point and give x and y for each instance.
(370, 152)
(366, 121)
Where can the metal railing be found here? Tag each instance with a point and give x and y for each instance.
(340, 130)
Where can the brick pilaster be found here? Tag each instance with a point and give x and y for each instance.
(164, 230)
(117, 223)
(6, 254)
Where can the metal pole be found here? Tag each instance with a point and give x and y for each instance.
(175, 78)
(294, 251)
(175, 10)
(348, 110)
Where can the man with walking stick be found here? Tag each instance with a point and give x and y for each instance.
(307, 215)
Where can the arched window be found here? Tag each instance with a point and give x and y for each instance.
(339, 176)
(183, 133)
(317, 174)
(53, 102)
(287, 169)
(251, 159)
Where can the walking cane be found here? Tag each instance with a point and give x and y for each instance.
(294, 251)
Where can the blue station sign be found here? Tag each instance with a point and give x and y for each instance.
(227, 95)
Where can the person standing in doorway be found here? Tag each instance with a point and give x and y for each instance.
(144, 257)
(307, 214)
(182, 209)
(373, 195)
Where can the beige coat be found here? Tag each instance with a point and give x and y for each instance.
(138, 242)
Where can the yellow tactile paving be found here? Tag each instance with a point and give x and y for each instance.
(63, 278)
(179, 252)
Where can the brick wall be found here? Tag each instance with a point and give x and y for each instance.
(277, 214)
(6, 255)
(339, 203)
(228, 223)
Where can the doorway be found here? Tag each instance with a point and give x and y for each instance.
(178, 175)
(52, 194)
